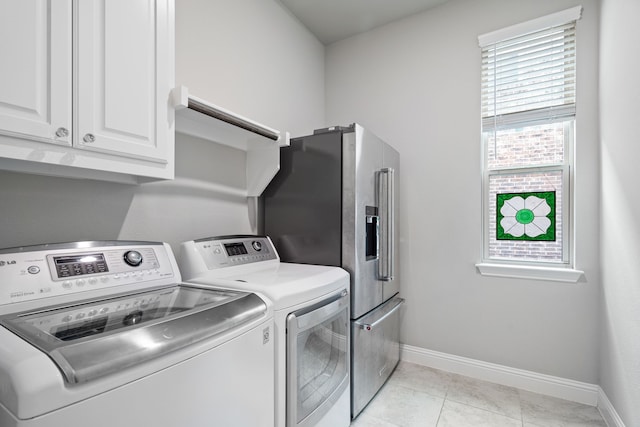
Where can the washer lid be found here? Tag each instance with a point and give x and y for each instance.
(102, 336)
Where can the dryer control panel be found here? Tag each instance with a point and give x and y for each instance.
(228, 251)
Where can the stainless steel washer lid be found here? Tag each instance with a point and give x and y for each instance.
(102, 336)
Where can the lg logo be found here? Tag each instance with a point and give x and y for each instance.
(3, 263)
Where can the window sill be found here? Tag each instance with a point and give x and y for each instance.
(554, 274)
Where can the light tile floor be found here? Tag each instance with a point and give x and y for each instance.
(416, 396)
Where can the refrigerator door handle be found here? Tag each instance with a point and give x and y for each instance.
(386, 200)
(396, 303)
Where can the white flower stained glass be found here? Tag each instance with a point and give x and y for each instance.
(526, 216)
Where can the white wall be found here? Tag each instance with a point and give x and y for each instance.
(251, 57)
(620, 228)
(416, 84)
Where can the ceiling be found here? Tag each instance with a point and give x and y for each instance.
(333, 20)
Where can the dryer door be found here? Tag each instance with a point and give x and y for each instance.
(317, 359)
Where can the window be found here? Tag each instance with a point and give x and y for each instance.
(528, 116)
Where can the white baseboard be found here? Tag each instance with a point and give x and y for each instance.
(575, 391)
(562, 388)
(607, 410)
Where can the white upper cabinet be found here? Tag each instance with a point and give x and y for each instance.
(35, 78)
(118, 92)
(94, 75)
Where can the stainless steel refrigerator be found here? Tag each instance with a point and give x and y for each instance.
(335, 202)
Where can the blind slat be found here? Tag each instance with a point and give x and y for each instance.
(512, 91)
(543, 43)
(522, 56)
(549, 74)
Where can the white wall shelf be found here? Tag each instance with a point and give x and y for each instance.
(202, 119)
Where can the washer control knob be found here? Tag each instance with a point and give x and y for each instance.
(133, 258)
(257, 245)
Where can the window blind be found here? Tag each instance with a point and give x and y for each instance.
(529, 78)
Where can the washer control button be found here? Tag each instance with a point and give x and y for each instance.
(34, 269)
(257, 245)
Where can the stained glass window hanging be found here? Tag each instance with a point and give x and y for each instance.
(526, 216)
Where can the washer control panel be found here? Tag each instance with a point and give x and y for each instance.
(42, 271)
(228, 251)
(115, 261)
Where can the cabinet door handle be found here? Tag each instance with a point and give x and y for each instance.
(89, 138)
(62, 132)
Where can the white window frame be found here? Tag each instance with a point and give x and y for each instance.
(530, 269)
(565, 168)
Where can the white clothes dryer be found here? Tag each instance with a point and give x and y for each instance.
(312, 333)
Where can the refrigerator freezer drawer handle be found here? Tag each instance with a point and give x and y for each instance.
(371, 326)
(386, 202)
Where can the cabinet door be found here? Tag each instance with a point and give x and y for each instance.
(123, 77)
(35, 87)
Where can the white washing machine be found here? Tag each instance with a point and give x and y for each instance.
(105, 334)
(312, 335)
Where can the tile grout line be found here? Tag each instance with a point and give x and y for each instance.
(521, 411)
(444, 399)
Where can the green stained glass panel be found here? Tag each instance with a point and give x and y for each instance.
(529, 216)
